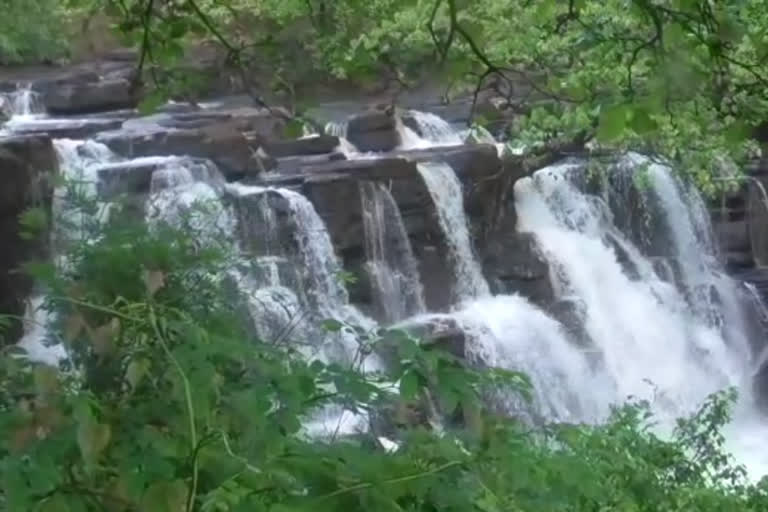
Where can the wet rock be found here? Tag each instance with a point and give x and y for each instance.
(375, 130)
(66, 128)
(512, 263)
(226, 147)
(470, 162)
(264, 223)
(126, 178)
(27, 167)
(732, 235)
(305, 146)
(571, 313)
(295, 164)
(96, 96)
(217, 136)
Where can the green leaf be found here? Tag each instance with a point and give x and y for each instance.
(294, 129)
(407, 349)
(152, 102)
(92, 439)
(332, 325)
(46, 380)
(34, 222)
(612, 122)
(642, 122)
(136, 371)
(165, 497)
(409, 385)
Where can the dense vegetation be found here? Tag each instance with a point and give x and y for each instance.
(168, 403)
(31, 31)
(682, 78)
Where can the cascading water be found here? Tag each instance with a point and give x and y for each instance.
(445, 188)
(433, 131)
(390, 262)
(650, 338)
(24, 103)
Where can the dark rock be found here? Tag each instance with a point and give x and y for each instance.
(374, 130)
(97, 96)
(622, 256)
(733, 235)
(264, 224)
(571, 313)
(217, 136)
(305, 146)
(129, 178)
(470, 162)
(27, 167)
(512, 263)
(66, 128)
(295, 164)
(228, 148)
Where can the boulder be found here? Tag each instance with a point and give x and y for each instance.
(732, 235)
(374, 130)
(470, 161)
(295, 164)
(97, 96)
(226, 147)
(66, 128)
(27, 166)
(512, 263)
(218, 136)
(126, 178)
(571, 313)
(316, 145)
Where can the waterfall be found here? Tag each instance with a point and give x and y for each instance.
(187, 193)
(651, 339)
(315, 290)
(446, 192)
(391, 264)
(642, 327)
(509, 332)
(339, 129)
(431, 130)
(23, 103)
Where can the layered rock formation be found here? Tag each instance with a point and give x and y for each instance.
(27, 167)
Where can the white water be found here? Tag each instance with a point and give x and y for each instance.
(435, 131)
(509, 332)
(22, 104)
(652, 342)
(391, 264)
(446, 192)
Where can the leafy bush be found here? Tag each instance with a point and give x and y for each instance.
(32, 31)
(168, 404)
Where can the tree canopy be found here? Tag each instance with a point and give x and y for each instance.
(683, 79)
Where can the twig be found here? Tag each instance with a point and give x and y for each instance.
(366, 485)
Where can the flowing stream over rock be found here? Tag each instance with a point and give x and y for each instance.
(391, 264)
(445, 189)
(657, 318)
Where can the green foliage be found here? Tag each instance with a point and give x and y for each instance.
(31, 31)
(168, 403)
(682, 79)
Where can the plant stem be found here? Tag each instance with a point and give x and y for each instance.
(190, 406)
(407, 478)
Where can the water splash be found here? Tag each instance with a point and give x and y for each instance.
(22, 104)
(446, 192)
(390, 261)
(509, 332)
(432, 130)
(653, 340)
